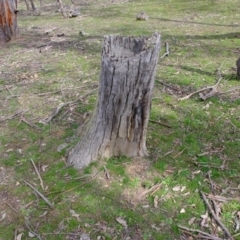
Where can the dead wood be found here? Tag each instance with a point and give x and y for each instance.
(8, 20)
(213, 90)
(38, 174)
(160, 123)
(151, 190)
(106, 172)
(40, 194)
(211, 237)
(215, 216)
(119, 123)
(38, 236)
(59, 108)
(142, 16)
(13, 115)
(167, 51)
(33, 125)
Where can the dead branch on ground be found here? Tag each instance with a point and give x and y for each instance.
(202, 234)
(151, 190)
(33, 125)
(215, 216)
(39, 176)
(40, 194)
(213, 90)
(13, 115)
(59, 108)
(106, 172)
(160, 123)
(167, 51)
(38, 236)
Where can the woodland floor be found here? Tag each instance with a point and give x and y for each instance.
(194, 145)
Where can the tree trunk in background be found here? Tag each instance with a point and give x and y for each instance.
(8, 20)
(119, 124)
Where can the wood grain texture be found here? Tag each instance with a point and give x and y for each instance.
(119, 124)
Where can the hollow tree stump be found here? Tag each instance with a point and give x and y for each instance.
(8, 20)
(119, 124)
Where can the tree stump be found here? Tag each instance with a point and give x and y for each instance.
(8, 20)
(119, 124)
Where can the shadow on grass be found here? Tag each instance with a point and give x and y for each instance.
(193, 22)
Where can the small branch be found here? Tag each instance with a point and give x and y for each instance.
(41, 195)
(49, 119)
(153, 189)
(215, 216)
(30, 124)
(13, 115)
(106, 172)
(193, 93)
(39, 176)
(64, 89)
(169, 152)
(167, 51)
(34, 233)
(212, 93)
(160, 123)
(201, 232)
(12, 208)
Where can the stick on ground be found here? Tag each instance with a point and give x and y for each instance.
(215, 216)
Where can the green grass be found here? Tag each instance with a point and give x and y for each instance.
(203, 137)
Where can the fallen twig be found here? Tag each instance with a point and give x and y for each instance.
(167, 51)
(106, 172)
(38, 236)
(12, 208)
(160, 123)
(57, 91)
(213, 89)
(49, 119)
(153, 189)
(201, 232)
(171, 151)
(39, 176)
(215, 216)
(30, 124)
(13, 115)
(40, 194)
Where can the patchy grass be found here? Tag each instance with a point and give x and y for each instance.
(198, 150)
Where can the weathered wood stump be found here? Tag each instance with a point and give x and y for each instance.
(119, 124)
(238, 68)
(8, 20)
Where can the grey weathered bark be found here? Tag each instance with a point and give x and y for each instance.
(8, 20)
(119, 124)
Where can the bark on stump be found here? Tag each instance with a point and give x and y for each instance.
(119, 124)
(8, 20)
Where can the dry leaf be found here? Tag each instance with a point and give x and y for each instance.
(183, 188)
(122, 222)
(44, 167)
(3, 216)
(19, 236)
(176, 188)
(182, 210)
(155, 201)
(156, 228)
(44, 214)
(74, 214)
(31, 235)
(205, 220)
(191, 221)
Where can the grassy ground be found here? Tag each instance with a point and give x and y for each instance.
(51, 63)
